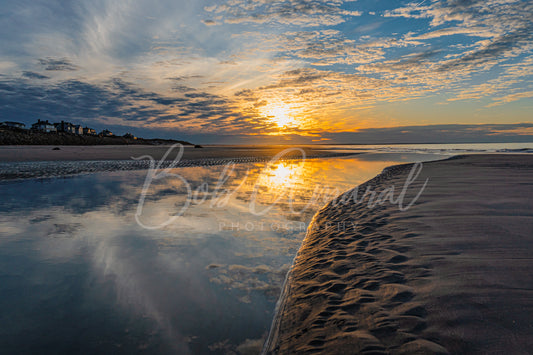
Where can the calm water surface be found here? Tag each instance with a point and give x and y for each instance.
(79, 273)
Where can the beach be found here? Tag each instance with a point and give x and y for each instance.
(429, 268)
(449, 274)
(24, 162)
(19, 153)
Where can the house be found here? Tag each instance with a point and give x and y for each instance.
(68, 127)
(62, 127)
(130, 136)
(11, 124)
(43, 126)
(89, 131)
(107, 133)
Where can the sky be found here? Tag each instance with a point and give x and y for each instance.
(273, 71)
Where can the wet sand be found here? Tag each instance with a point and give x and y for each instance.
(452, 274)
(125, 152)
(28, 162)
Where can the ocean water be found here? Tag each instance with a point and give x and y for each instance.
(190, 262)
(455, 148)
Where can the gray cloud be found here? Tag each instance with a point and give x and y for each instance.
(508, 25)
(62, 64)
(485, 133)
(325, 47)
(288, 12)
(185, 77)
(431, 134)
(23, 101)
(33, 75)
(501, 46)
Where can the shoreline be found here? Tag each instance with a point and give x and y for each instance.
(402, 284)
(75, 161)
(34, 153)
(273, 336)
(10, 136)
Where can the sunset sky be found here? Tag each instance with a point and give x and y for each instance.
(282, 71)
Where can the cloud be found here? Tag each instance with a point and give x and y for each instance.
(507, 25)
(451, 31)
(434, 134)
(33, 75)
(506, 86)
(120, 102)
(325, 47)
(62, 64)
(511, 98)
(428, 69)
(485, 133)
(518, 130)
(500, 49)
(305, 13)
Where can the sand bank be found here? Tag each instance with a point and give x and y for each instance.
(23, 162)
(452, 274)
(125, 152)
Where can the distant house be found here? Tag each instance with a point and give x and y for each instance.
(89, 131)
(130, 136)
(43, 126)
(62, 126)
(11, 124)
(68, 127)
(107, 133)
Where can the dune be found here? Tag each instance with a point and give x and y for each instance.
(449, 275)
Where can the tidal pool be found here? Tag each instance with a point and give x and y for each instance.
(86, 268)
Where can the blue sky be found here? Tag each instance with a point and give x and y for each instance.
(273, 70)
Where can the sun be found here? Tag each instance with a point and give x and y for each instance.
(279, 114)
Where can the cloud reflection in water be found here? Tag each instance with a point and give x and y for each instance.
(75, 263)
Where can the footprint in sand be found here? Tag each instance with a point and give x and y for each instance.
(398, 259)
(336, 288)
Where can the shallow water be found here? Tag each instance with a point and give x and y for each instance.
(80, 274)
(451, 148)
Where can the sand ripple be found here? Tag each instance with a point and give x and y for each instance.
(47, 169)
(451, 275)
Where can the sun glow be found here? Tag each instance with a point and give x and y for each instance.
(281, 117)
(280, 175)
(280, 114)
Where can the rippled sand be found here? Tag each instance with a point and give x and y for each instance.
(452, 274)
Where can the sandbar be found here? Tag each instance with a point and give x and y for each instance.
(449, 275)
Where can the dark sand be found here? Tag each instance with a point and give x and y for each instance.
(28, 162)
(125, 152)
(453, 274)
